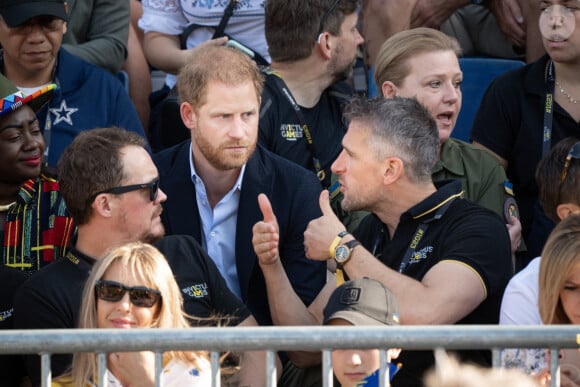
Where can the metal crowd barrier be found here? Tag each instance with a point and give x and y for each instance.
(271, 339)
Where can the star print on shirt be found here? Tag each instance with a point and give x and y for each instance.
(63, 113)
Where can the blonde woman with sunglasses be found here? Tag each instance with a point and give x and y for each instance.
(133, 287)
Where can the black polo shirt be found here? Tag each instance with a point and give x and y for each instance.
(51, 299)
(281, 131)
(466, 233)
(11, 366)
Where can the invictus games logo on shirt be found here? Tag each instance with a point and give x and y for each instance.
(421, 254)
(6, 314)
(291, 132)
(196, 290)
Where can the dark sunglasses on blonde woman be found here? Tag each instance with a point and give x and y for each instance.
(112, 291)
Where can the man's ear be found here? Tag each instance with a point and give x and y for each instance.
(389, 89)
(566, 209)
(394, 168)
(102, 205)
(324, 45)
(188, 115)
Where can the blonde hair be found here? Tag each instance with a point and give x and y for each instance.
(559, 256)
(146, 263)
(391, 63)
(449, 372)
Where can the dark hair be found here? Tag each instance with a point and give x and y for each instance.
(92, 163)
(551, 191)
(292, 26)
(399, 127)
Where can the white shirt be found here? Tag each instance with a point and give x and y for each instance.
(171, 17)
(177, 374)
(519, 305)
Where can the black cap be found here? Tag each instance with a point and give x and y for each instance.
(17, 12)
(363, 302)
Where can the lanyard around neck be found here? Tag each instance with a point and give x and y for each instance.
(417, 236)
(286, 92)
(548, 108)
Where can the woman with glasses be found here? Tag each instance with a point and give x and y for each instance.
(133, 287)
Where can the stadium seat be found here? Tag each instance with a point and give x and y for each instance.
(477, 75)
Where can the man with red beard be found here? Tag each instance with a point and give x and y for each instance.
(214, 180)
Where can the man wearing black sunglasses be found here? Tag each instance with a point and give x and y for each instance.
(111, 188)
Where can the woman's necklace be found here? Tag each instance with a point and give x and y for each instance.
(565, 93)
(5, 207)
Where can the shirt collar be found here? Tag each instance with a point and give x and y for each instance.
(450, 159)
(28, 190)
(446, 190)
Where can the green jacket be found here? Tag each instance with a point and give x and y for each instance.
(482, 177)
(97, 31)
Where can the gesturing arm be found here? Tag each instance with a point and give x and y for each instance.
(285, 305)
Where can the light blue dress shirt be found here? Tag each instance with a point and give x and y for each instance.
(219, 227)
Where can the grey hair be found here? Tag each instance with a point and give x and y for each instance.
(400, 127)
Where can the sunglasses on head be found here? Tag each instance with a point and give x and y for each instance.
(152, 186)
(574, 153)
(112, 291)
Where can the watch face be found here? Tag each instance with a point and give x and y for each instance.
(341, 254)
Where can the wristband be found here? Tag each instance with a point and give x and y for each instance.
(335, 242)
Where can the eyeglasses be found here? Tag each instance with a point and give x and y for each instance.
(46, 23)
(574, 153)
(152, 186)
(325, 17)
(141, 296)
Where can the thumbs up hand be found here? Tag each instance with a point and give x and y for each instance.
(266, 235)
(321, 232)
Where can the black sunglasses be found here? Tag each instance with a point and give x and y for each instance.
(325, 17)
(152, 186)
(139, 295)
